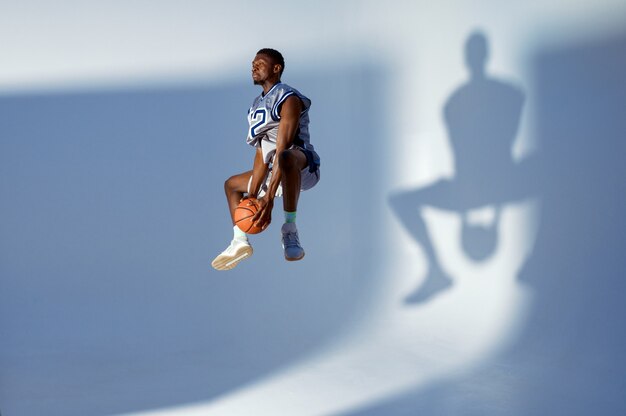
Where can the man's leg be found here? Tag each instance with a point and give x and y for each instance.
(292, 161)
(235, 187)
(239, 248)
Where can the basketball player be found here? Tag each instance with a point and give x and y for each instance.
(284, 163)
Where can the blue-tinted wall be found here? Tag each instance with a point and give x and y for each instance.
(113, 208)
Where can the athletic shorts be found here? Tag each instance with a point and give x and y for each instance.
(309, 177)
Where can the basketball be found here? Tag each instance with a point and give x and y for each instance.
(243, 216)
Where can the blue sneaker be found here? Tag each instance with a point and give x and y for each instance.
(291, 243)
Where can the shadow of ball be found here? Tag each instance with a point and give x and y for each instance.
(479, 242)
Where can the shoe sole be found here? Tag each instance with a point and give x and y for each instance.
(229, 262)
(294, 258)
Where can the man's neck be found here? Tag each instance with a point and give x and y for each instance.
(268, 85)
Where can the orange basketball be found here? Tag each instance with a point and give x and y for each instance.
(243, 216)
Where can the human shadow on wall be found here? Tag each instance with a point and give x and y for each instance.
(569, 356)
(482, 117)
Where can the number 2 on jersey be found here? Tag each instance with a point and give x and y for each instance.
(258, 118)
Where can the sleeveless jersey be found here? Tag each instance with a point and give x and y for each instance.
(264, 117)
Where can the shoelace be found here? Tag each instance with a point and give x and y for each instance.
(291, 240)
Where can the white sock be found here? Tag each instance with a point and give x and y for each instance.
(238, 234)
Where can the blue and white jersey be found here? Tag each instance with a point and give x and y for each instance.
(264, 117)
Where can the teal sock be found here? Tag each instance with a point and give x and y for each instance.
(239, 234)
(290, 216)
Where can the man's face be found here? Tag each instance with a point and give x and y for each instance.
(262, 69)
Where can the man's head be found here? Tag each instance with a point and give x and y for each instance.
(268, 65)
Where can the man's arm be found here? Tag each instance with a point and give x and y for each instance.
(287, 128)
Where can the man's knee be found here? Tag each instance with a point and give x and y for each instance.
(233, 184)
(289, 159)
(228, 184)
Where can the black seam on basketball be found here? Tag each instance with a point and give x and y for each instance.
(246, 208)
(239, 216)
(242, 225)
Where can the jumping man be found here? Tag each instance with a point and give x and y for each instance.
(285, 162)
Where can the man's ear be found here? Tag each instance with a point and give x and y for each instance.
(277, 68)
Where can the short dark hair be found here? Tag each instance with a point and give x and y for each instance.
(276, 56)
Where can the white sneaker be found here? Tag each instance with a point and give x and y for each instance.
(237, 250)
(291, 242)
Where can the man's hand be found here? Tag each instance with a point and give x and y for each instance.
(263, 217)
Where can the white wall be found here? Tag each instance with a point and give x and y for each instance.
(402, 61)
